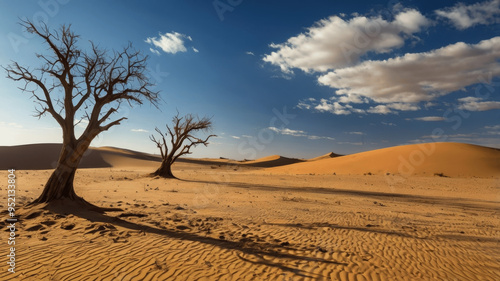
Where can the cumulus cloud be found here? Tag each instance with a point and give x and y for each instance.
(334, 42)
(417, 77)
(464, 16)
(477, 104)
(430, 118)
(250, 53)
(333, 107)
(170, 43)
(297, 133)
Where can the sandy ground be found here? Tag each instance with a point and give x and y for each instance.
(223, 222)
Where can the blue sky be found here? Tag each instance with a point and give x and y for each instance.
(293, 78)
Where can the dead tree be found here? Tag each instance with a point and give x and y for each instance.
(89, 82)
(182, 131)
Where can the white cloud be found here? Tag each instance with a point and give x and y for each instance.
(380, 109)
(195, 50)
(417, 77)
(493, 130)
(319, 138)
(250, 53)
(350, 98)
(334, 42)
(430, 118)
(411, 21)
(297, 133)
(283, 76)
(496, 127)
(156, 52)
(355, 133)
(477, 104)
(388, 124)
(169, 42)
(430, 104)
(303, 105)
(236, 137)
(341, 107)
(139, 131)
(464, 16)
(286, 131)
(403, 106)
(333, 107)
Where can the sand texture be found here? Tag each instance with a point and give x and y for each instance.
(249, 220)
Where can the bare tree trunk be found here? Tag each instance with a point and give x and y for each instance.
(165, 170)
(60, 183)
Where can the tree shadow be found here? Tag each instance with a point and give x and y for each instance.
(257, 250)
(368, 228)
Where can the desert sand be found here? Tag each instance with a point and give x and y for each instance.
(353, 217)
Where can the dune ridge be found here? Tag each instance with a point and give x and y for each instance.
(45, 155)
(271, 161)
(325, 156)
(428, 159)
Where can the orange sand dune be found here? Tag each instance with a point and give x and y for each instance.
(326, 156)
(45, 156)
(450, 159)
(271, 161)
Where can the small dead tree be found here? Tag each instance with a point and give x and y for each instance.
(182, 131)
(91, 83)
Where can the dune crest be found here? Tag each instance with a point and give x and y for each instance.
(272, 161)
(325, 156)
(429, 159)
(44, 156)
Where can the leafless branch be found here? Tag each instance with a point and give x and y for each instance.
(182, 138)
(93, 83)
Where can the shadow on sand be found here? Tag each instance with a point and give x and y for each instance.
(479, 205)
(257, 250)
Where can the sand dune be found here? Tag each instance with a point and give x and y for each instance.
(448, 159)
(445, 159)
(271, 161)
(326, 156)
(45, 156)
